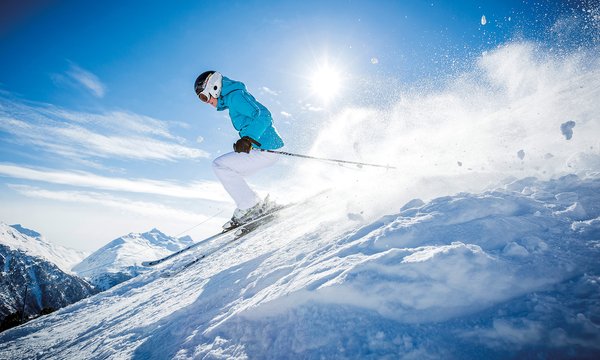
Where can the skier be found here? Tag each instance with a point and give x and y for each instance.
(255, 126)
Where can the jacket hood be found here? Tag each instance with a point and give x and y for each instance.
(227, 87)
(231, 85)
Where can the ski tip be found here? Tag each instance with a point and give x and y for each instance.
(147, 263)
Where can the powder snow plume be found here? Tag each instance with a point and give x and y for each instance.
(500, 119)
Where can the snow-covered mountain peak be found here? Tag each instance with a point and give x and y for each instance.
(153, 238)
(120, 257)
(158, 238)
(18, 237)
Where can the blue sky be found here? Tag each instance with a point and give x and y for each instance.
(101, 133)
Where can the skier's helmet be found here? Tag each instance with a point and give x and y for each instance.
(208, 84)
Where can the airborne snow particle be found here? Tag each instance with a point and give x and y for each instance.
(521, 154)
(548, 156)
(459, 163)
(567, 129)
(483, 20)
(374, 61)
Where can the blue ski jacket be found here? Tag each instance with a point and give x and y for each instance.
(248, 116)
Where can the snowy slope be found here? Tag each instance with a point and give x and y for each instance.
(19, 238)
(512, 272)
(120, 259)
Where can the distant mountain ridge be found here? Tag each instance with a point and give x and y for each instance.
(33, 243)
(120, 259)
(35, 277)
(39, 277)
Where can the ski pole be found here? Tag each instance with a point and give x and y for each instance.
(359, 164)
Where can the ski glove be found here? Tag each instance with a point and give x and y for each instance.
(245, 144)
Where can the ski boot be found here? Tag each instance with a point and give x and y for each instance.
(240, 217)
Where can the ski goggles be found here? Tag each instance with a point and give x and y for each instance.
(203, 95)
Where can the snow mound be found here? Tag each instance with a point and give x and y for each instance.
(511, 272)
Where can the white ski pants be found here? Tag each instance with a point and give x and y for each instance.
(231, 168)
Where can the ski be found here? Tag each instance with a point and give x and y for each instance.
(174, 271)
(243, 230)
(216, 236)
(188, 248)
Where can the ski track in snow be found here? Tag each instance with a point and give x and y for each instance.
(507, 273)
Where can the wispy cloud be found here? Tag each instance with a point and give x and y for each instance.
(206, 190)
(88, 80)
(82, 136)
(80, 77)
(286, 114)
(144, 208)
(122, 122)
(269, 91)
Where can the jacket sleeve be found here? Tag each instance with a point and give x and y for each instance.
(257, 117)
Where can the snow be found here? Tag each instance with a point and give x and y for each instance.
(510, 272)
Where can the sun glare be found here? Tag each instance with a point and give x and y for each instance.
(326, 82)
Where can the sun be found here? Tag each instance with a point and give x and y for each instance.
(326, 82)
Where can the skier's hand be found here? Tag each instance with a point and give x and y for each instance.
(245, 144)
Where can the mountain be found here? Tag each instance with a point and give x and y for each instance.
(120, 259)
(508, 273)
(33, 243)
(35, 275)
(31, 286)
